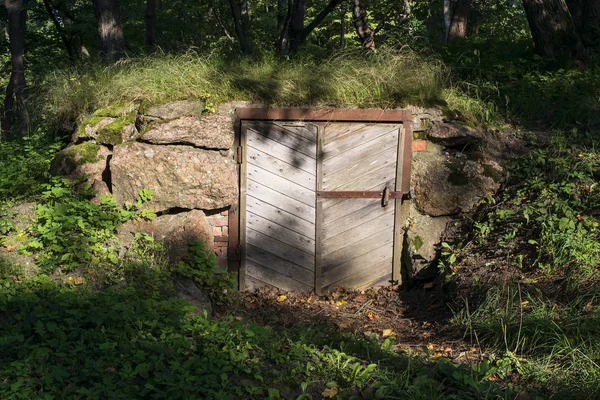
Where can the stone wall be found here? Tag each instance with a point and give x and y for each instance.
(185, 155)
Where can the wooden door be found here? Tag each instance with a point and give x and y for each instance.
(357, 234)
(293, 237)
(278, 205)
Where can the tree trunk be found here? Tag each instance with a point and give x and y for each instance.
(553, 30)
(150, 26)
(239, 29)
(284, 13)
(586, 17)
(296, 26)
(16, 90)
(112, 41)
(458, 27)
(447, 19)
(359, 18)
(52, 13)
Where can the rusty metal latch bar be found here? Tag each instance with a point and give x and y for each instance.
(385, 195)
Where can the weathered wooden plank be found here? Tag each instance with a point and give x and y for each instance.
(384, 175)
(364, 262)
(353, 219)
(281, 232)
(281, 185)
(242, 229)
(399, 215)
(337, 208)
(339, 130)
(355, 167)
(365, 277)
(339, 162)
(319, 215)
(282, 201)
(280, 217)
(281, 168)
(381, 281)
(289, 155)
(362, 136)
(286, 138)
(274, 278)
(306, 130)
(280, 265)
(253, 284)
(347, 253)
(280, 249)
(382, 225)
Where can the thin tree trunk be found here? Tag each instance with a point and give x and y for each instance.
(59, 27)
(245, 17)
(150, 26)
(359, 18)
(458, 27)
(447, 19)
(283, 19)
(15, 101)
(239, 30)
(296, 26)
(219, 20)
(342, 26)
(112, 41)
(553, 30)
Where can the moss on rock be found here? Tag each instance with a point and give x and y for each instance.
(82, 131)
(113, 133)
(74, 156)
(114, 111)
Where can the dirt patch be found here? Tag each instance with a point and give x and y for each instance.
(417, 320)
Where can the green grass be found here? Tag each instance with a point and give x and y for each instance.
(387, 79)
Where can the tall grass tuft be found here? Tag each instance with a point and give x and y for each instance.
(387, 79)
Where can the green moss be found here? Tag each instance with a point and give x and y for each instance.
(491, 172)
(417, 242)
(92, 121)
(74, 156)
(114, 111)
(113, 132)
(457, 176)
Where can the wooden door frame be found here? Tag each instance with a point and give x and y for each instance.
(236, 248)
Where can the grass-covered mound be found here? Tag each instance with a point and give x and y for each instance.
(386, 79)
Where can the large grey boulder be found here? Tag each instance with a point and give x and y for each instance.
(175, 109)
(180, 176)
(212, 131)
(448, 185)
(87, 159)
(175, 231)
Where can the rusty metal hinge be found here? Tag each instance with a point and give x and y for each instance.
(239, 154)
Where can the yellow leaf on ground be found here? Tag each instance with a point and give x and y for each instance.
(340, 302)
(330, 393)
(281, 298)
(78, 281)
(371, 316)
(10, 248)
(386, 332)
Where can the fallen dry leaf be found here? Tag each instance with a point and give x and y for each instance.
(588, 307)
(10, 248)
(330, 392)
(344, 323)
(430, 346)
(428, 285)
(340, 303)
(433, 307)
(281, 298)
(370, 316)
(386, 332)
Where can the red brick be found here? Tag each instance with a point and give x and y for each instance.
(220, 221)
(221, 244)
(226, 231)
(217, 231)
(225, 213)
(219, 251)
(419, 145)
